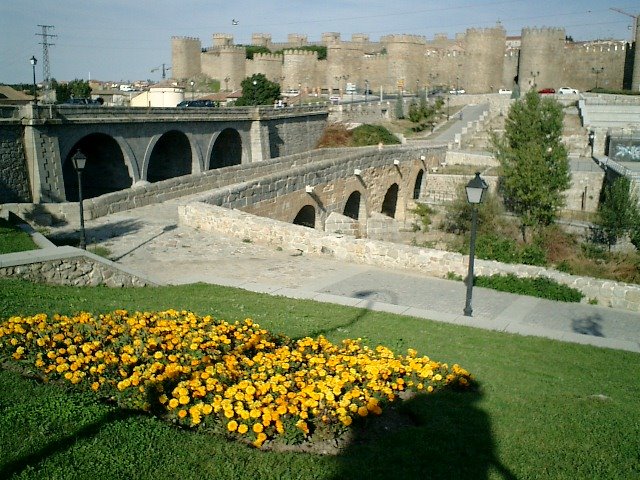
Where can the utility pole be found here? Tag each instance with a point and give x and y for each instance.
(635, 77)
(46, 68)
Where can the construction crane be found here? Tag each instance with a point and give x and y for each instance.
(164, 70)
(635, 20)
(635, 75)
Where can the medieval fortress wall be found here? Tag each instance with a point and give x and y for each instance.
(480, 61)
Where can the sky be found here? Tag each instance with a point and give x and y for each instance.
(122, 41)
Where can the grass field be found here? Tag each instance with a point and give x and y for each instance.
(546, 409)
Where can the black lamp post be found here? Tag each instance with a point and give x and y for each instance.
(476, 190)
(597, 71)
(592, 138)
(299, 94)
(255, 82)
(34, 61)
(79, 161)
(366, 91)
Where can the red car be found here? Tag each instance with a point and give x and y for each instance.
(547, 90)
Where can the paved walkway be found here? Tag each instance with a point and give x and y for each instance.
(150, 241)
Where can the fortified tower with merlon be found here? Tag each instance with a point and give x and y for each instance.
(479, 61)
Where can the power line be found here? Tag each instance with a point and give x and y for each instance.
(46, 68)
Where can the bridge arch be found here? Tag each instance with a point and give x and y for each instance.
(390, 202)
(417, 186)
(354, 207)
(226, 149)
(169, 155)
(105, 160)
(306, 217)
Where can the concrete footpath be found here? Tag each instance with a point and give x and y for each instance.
(149, 240)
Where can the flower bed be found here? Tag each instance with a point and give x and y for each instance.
(206, 373)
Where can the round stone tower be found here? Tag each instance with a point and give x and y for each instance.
(406, 66)
(222, 39)
(261, 39)
(484, 59)
(185, 57)
(541, 58)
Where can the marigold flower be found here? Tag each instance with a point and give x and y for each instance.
(232, 426)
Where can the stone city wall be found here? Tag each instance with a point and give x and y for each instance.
(431, 262)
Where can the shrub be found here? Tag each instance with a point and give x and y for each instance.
(541, 287)
(372, 135)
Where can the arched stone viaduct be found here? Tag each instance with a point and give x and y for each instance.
(354, 191)
(126, 147)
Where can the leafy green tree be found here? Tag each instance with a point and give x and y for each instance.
(258, 90)
(76, 89)
(618, 212)
(535, 165)
(251, 50)
(372, 135)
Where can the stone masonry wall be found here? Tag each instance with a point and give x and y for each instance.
(430, 262)
(14, 183)
(68, 266)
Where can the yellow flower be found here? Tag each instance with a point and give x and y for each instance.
(232, 426)
(257, 427)
(173, 403)
(242, 428)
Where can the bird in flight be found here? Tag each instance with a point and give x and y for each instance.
(234, 22)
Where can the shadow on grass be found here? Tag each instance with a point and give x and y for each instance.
(60, 445)
(444, 435)
(362, 312)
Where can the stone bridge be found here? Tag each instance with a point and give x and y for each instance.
(126, 147)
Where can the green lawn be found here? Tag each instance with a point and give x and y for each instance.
(12, 239)
(546, 409)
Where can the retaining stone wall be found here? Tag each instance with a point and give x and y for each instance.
(68, 266)
(14, 184)
(430, 262)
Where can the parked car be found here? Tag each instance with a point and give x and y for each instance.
(197, 103)
(567, 91)
(458, 91)
(547, 91)
(505, 91)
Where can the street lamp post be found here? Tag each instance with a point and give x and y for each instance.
(447, 108)
(366, 91)
(79, 161)
(192, 89)
(299, 94)
(34, 61)
(476, 190)
(253, 94)
(597, 71)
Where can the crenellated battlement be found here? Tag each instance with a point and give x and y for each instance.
(302, 53)
(400, 38)
(267, 57)
(480, 60)
(547, 32)
(185, 39)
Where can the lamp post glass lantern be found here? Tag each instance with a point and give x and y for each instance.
(476, 190)
(33, 62)
(79, 162)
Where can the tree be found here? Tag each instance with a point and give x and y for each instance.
(258, 90)
(535, 165)
(76, 89)
(618, 213)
